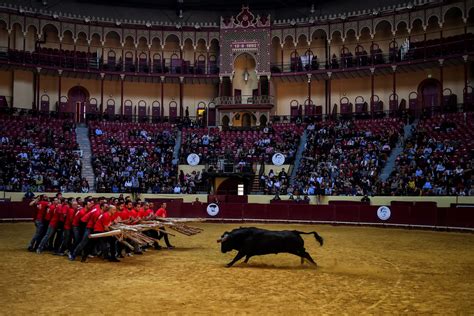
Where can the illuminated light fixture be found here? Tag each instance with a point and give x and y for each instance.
(312, 9)
(148, 24)
(246, 72)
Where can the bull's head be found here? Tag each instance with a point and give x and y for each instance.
(225, 242)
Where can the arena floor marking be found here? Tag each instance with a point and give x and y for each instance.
(397, 283)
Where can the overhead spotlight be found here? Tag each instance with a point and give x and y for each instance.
(312, 9)
(148, 24)
(55, 16)
(197, 26)
(410, 6)
(87, 20)
(21, 10)
(45, 3)
(293, 22)
(118, 23)
(375, 12)
(180, 13)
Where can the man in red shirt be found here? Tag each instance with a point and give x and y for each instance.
(41, 203)
(101, 225)
(58, 236)
(69, 217)
(78, 226)
(53, 213)
(162, 213)
(89, 218)
(145, 212)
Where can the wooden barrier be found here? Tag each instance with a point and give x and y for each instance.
(416, 214)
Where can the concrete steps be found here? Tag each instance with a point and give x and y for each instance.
(299, 155)
(85, 147)
(390, 164)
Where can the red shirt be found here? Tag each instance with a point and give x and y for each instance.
(148, 212)
(70, 212)
(133, 213)
(78, 215)
(88, 215)
(124, 214)
(93, 219)
(144, 213)
(64, 210)
(56, 217)
(49, 212)
(41, 208)
(102, 222)
(161, 212)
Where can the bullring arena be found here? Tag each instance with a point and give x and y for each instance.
(361, 270)
(195, 156)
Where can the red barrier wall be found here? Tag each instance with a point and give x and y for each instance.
(402, 213)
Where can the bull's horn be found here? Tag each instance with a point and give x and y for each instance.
(219, 240)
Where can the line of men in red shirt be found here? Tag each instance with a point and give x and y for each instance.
(64, 225)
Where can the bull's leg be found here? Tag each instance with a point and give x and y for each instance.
(239, 256)
(308, 257)
(247, 258)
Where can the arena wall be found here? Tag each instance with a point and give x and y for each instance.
(441, 201)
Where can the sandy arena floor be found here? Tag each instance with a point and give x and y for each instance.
(361, 270)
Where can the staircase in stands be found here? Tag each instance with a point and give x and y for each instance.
(82, 134)
(299, 155)
(390, 164)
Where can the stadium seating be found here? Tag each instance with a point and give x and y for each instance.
(39, 154)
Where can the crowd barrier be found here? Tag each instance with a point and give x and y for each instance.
(408, 214)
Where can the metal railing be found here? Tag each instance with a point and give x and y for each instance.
(418, 52)
(245, 99)
(94, 62)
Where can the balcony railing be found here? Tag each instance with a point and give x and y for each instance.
(245, 100)
(92, 62)
(418, 52)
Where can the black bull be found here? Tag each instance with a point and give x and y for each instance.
(251, 241)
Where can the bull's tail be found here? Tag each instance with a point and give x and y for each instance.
(318, 238)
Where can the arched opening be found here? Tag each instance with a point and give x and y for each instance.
(225, 121)
(263, 120)
(429, 90)
(245, 82)
(77, 98)
(244, 119)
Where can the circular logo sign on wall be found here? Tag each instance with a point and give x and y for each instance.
(278, 159)
(384, 213)
(193, 159)
(213, 209)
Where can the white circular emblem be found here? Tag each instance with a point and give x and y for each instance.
(384, 213)
(213, 209)
(193, 159)
(278, 159)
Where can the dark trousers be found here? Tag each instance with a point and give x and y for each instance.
(40, 230)
(83, 243)
(66, 241)
(58, 237)
(105, 244)
(77, 233)
(165, 236)
(46, 238)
